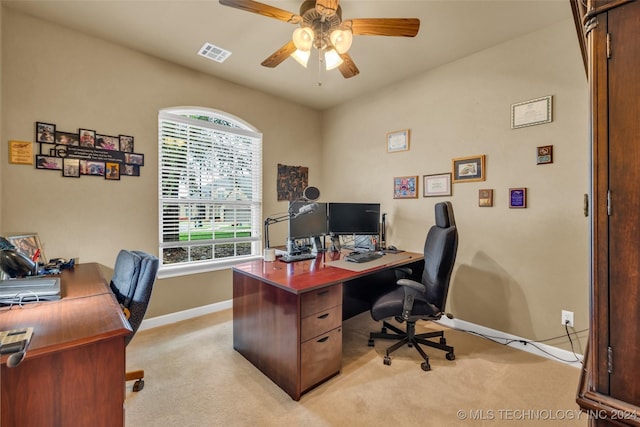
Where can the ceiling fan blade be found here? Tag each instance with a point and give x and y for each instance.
(327, 7)
(348, 67)
(279, 55)
(263, 9)
(397, 27)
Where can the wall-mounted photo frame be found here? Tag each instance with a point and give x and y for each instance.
(71, 167)
(28, 244)
(67, 138)
(405, 187)
(21, 152)
(533, 112)
(45, 132)
(398, 141)
(468, 169)
(112, 171)
(90, 167)
(108, 142)
(126, 143)
(545, 155)
(87, 138)
(436, 185)
(49, 162)
(518, 197)
(130, 170)
(134, 159)
(485, 197)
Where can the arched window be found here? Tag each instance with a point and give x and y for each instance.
(210, 181)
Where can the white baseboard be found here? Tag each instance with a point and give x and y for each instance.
(539, 349)
(552, 353)
(168, 319)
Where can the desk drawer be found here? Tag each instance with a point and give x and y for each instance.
(321, 299)
(321, 358)
(321, 322)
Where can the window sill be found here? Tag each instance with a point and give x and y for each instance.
(204, 267)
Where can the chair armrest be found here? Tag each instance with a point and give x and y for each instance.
(407, 305)
(412, 284)
(403, 272)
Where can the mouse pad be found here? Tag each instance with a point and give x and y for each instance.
(355, 266)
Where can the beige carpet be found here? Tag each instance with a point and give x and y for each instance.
(195, 378)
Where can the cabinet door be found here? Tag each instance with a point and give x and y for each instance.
(624, 185)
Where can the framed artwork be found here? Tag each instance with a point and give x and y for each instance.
(93, 168)
(130, 170)
(71, 167)
(485, 198)
(530, 113)
(134, 159)
(518, 197)
(49, 162)
(467, 169)
(545, 155)
(21, 152)
(405, 187)
(67, 138)
(107, 142)
(292, 180)
(126, 143)
(112, 171)
(45, 132)
(87, 138)
(436, 185)
(28, 244)
(398, 141)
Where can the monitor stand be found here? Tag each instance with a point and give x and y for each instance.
(335, 244)
(317, 245)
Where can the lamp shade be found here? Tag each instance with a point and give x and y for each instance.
(301, 56)
(341, 40)
(332, 59)
(303, 38)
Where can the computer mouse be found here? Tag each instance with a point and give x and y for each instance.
(392, 248)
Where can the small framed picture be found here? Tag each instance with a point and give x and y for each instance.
(126, 143)
(436, 185)
(545, 155)
(130, 170)
(467, 169)
(112, 171)
(21, 152)
(45, 132)
(91, 167)
(48, 162)
(518, 197)
(405, 187)
(67, 138)
(485, 198)
(134, 159)
(107, 142)
(71, 167)
(398, 141)
(28, 244)
(87, 138)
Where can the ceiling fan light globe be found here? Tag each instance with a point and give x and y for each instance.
(332, 60)
(302, 57)
(341, 40)
(303, 38)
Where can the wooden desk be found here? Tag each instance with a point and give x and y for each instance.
(287, 318)
(73, 372)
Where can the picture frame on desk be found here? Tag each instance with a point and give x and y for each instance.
(27, 244)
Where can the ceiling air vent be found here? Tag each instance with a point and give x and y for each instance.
(214, 52)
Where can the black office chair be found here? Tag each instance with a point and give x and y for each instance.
(132, 282)
(412, 301)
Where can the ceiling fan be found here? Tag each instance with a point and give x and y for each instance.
(321, 26)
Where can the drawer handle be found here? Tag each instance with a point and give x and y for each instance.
(322, 293)
(323, 339)
(323, 316)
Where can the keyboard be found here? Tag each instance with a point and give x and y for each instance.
(294, 258)
(362, 256)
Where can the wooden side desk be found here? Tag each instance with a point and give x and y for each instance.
(73, 371)
(287, 318)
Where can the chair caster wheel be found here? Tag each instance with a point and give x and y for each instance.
(450, 356)
(138, 385)
(371, 344)
(425, 366)
(443, 341)
(383, 330)
(387, 361)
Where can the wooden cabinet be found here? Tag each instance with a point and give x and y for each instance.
(610, 390)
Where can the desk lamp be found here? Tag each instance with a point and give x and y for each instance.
(13, 263)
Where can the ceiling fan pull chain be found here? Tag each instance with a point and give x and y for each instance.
(320, 60)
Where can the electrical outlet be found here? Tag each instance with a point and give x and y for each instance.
(567, 318)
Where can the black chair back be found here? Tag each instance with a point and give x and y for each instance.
(440, 249)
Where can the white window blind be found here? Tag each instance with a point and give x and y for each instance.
(210, 180)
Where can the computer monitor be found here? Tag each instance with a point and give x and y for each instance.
(354, 218)
(311, 223)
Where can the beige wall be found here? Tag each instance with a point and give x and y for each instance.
(60, 76)
(516, 268)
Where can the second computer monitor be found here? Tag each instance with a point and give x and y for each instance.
(308, 220)
(354, 218)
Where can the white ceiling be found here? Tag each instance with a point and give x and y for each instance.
(175, 30)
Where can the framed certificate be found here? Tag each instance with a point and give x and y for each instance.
(398, 141)
(529, 113)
